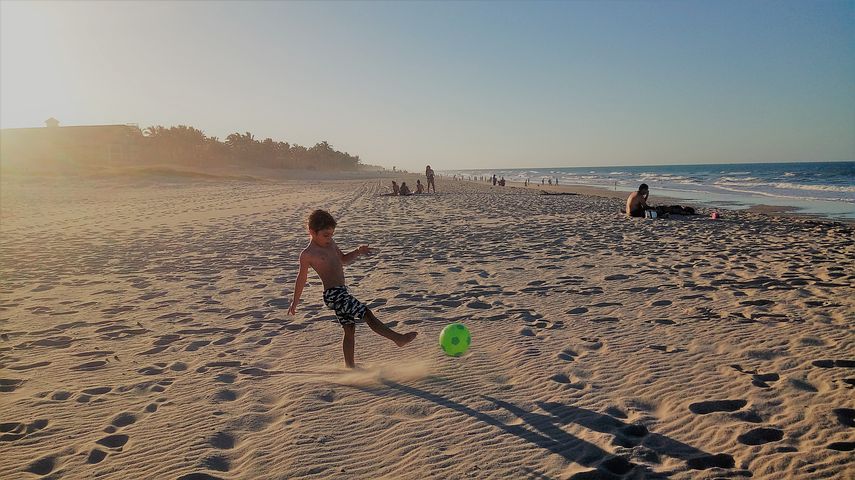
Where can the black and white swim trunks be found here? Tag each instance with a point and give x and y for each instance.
(348, 309)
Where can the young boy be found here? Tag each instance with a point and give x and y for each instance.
(323, 255)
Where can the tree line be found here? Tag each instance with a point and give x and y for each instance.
(183, 144)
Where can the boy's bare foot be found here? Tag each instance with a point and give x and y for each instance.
(406, 338)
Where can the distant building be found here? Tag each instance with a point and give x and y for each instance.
(85, 144)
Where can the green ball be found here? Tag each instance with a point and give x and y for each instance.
(455, 339)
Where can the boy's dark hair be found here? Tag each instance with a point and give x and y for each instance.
(320, 220)
(643, 187)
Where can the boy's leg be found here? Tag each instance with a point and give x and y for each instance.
(348, 344)
(383, 330)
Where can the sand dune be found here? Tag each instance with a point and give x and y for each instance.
(145, 335)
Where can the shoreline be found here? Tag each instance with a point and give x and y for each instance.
(153, 175)
(596, 191)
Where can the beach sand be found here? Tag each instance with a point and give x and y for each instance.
(145, 335)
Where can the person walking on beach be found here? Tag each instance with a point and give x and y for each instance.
(430, 179)
(636, 204)
(324, 256)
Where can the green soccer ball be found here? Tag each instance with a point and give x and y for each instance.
(455, 339)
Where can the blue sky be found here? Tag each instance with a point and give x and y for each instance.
(475, 84)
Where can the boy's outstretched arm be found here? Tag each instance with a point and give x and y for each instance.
(302, 275)
(347, 258)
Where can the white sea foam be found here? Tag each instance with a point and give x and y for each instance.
(726, 181)
(825, 188)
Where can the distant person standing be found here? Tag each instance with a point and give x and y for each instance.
(431, 181)
(494, 180)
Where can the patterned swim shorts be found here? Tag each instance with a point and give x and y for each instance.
(348, 309)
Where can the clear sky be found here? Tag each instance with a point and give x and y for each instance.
(475, 85)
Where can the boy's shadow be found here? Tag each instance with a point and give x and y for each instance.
(627, 435)
(548, 435)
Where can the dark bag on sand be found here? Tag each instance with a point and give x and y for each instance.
(674, 210)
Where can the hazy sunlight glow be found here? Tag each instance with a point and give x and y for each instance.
(451, 84)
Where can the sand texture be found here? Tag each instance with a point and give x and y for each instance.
(145, 335)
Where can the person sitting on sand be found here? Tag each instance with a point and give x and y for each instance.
(636, 204)
(395, 190)
(420, 188)
(324, 256)
(405, 190)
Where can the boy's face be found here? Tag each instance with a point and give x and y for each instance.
(322, 237)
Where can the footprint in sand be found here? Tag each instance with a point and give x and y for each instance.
(568, 355)
(479, 305)
(710, 406)
(607, 304)
(661, 303)
(617, 466)
(577, 311)
(89, 366)
(759, 436)
(605, 320)
(846, 416)
(42, 466)
(10, 384)
(834, 363)
(722, 460)
(115, 442)
(802, 385)
(219, 463)
(567, 381)
(196, 345)
(87, 393)
(12, 431)
(842, 446)
(151, 370)
(667, 349)
(619, 276)
(756, 303)
(223, 441)
(226, 395)
(225, 378)
(123, 420)
(526, 332)
(60, 395)
(29, 366)
(593, 343)
(762, 379)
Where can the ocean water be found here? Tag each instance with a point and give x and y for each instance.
(819, 188)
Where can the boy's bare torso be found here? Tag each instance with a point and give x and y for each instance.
(635, 201)
(327, 263)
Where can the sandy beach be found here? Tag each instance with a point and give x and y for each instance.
(145, 335)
